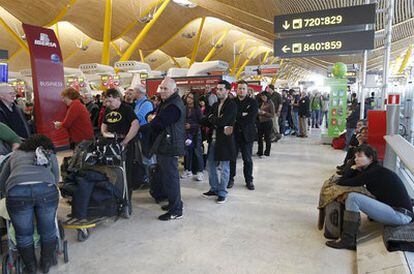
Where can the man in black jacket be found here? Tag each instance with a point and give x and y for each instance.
(167, 125)
(304, 114)
(245, 133)
(221, 149)
(10, 113)
(93, 110)
(351, 123)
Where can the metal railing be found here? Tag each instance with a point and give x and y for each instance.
(404, 155)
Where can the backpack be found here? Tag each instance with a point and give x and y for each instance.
(339, 142)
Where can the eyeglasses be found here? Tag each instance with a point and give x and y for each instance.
(162, 88)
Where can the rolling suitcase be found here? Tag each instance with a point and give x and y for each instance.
(156, 188)
(334, 214)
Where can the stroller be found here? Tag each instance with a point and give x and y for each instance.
(104, 155)
(12, 260)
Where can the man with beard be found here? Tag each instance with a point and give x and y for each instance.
(221, 149)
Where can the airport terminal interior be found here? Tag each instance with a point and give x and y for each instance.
(207, 136)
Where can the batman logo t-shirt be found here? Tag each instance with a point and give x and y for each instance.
(119, 120)
(113, 117)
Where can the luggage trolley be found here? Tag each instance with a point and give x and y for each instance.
(12, 260)
(113, 156)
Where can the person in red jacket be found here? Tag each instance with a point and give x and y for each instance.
(77, 121)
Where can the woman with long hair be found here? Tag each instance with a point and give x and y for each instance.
(28, 180)
(193, 142)
(266, 113)
(391, 206)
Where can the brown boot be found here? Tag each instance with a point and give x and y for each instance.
(349, 232)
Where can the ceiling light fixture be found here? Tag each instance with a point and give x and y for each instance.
(188, 35)
(185, 3)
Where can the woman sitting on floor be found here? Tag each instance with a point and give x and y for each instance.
(392, 205)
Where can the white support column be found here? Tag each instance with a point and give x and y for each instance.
(387, 55)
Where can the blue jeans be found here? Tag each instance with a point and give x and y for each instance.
(246, 150)
(282, 124)
(194, 151)
(296, 120)
(315, 117)
(170, 179)
(375, 209)
(348, 136)
(24, 202)
(224, 166)
(324, 114)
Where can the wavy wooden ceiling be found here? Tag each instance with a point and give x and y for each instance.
(246, 19)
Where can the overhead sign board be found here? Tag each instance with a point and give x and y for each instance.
(324, 44)
(4, 54)
(261, 70)
(348, 74)
(325, 19)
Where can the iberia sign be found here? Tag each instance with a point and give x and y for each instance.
(44, 41)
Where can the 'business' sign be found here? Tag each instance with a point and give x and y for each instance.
(48, 82)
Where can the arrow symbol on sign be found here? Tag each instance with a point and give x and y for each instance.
(285, 49)
(286, 25)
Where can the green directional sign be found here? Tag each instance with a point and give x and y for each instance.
(325, 19)
(324, 44)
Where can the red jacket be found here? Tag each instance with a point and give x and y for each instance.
(78, 123)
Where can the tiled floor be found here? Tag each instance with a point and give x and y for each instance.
(269, 230)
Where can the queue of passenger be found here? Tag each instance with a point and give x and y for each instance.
(160, 129)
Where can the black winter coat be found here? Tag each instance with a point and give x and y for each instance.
(225, 147)
(245, 128)
(304, 107)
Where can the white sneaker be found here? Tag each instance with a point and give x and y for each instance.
(185, 174)
(200, 176)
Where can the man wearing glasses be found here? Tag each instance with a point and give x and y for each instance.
(10, 114)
